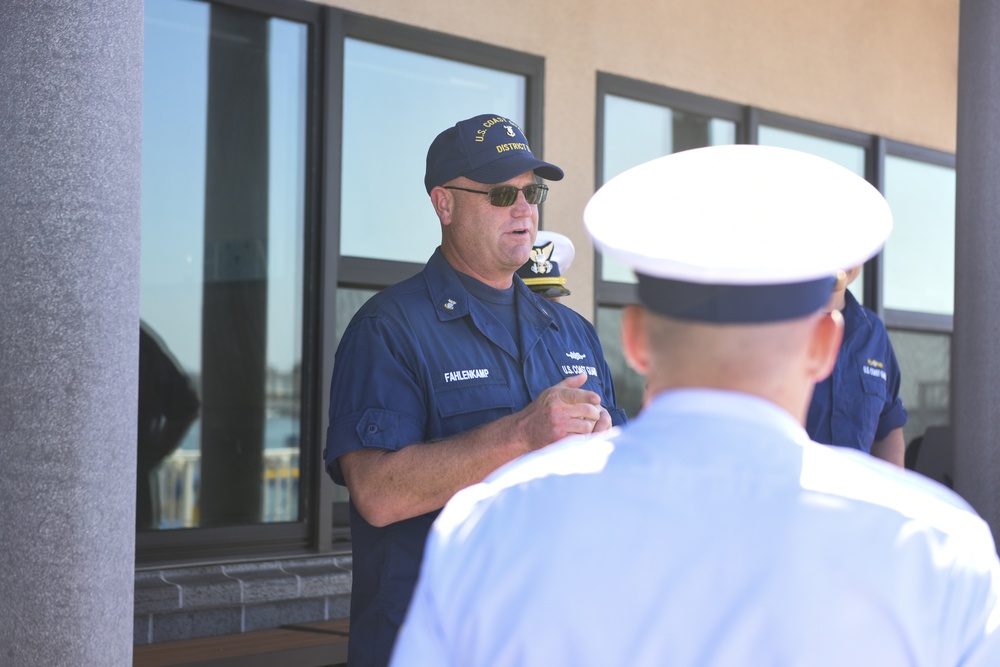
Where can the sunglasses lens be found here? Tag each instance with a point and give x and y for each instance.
(503, 195)
(535, 194)
(506, 195)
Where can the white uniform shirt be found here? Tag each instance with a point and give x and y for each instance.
(709, 532)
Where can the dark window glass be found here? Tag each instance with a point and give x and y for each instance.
(629, 385)
(925, 363)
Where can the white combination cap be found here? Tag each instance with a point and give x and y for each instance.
(563, 250)
(550, 258)
(738, 233)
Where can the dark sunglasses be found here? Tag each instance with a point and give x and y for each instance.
(506, 195)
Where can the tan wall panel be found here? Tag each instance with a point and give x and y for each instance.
(886, 67)
(570, 114)
(882, 66)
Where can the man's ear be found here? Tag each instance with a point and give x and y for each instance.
(825, 344)
(443, 203)
(635, 339)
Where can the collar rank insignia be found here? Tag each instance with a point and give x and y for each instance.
(576, 356)
(540, 256)
(510, 131)
(450, 304)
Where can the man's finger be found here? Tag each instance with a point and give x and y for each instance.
(569, 391)
(603, 422)
(573, 381)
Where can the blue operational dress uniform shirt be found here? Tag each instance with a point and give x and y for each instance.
(423, 361)
(859, 403)
(709, 532)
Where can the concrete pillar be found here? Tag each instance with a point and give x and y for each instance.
(975, 396)
(70, 151)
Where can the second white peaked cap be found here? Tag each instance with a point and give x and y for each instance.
(564, 250)
(738, 233)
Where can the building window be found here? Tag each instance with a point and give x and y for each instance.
(919, 257)
(401, 87)
(919, 279)
(385, 211)
(638, 122)
(925, 361)
(223, 220)
(636, 131)
(848, 155)
(911, 282)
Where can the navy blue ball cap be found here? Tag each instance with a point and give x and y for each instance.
(738, 234)
(487, 149)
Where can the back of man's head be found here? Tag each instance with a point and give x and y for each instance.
(779, 361)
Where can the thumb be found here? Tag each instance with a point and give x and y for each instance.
(573, 381)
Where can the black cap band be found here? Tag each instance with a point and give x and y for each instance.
(734, 304)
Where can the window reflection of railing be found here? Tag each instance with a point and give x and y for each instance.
(178, 479)
(281, 484)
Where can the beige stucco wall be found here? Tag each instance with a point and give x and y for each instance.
(886, 67)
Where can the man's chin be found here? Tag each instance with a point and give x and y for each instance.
(520, 249)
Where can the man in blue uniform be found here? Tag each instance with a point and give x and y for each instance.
(711, 531)
(858, 406)
(443, 378)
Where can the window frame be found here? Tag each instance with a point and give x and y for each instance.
(749, 119)
(613, 293)
(874, 161)
(373, 273)
(157, 547)
(344, 271)
(325, 270)
(913, 320)
(608, 294)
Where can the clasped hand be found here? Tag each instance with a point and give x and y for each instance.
(562, 410)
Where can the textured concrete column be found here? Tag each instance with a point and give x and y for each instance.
(70, 149)
(975, 395)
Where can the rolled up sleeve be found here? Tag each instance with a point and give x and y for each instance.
(376, 399)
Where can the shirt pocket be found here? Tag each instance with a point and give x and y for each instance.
(470, 399)
(570, 361)
(873, 396)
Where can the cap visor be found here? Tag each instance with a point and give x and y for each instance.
(506, 168)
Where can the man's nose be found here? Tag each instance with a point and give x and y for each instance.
(520, 207)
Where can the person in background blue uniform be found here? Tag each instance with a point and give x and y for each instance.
(445, 377)
(858, 405)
